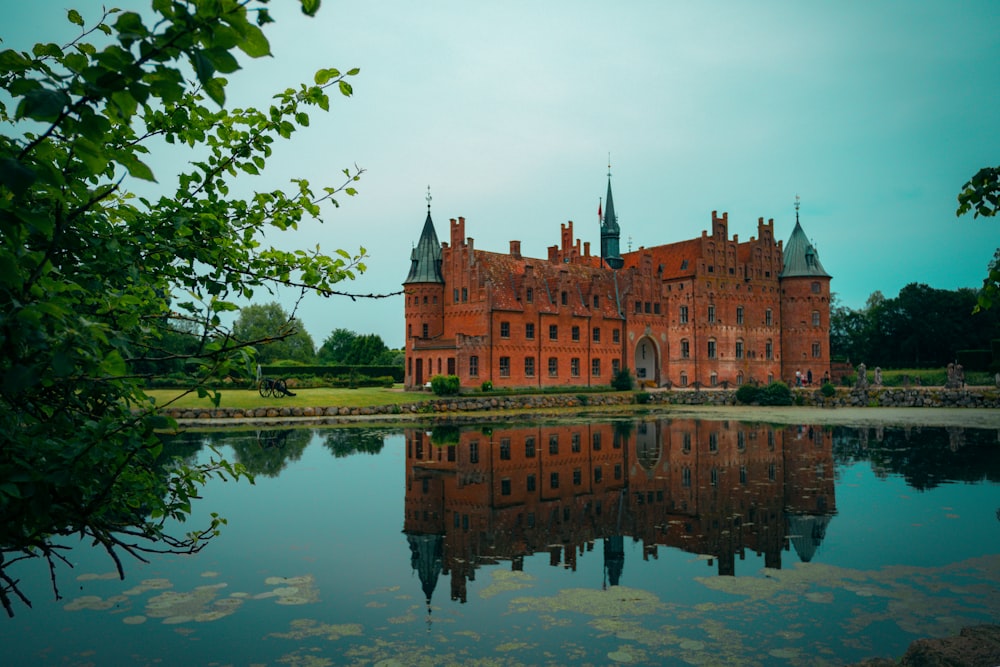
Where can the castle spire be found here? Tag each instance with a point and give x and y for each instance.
(801, 258)
(425, 259)
(610, 231)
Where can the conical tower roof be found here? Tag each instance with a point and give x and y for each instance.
(425, 259)
(801, 258)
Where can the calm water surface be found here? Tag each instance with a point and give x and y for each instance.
(660, 542)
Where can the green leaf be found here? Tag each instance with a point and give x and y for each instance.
(254, 43)
(324, 76)
(216, 89)
(44, 105)
(345, 89)
(137, 168)
(74, 17)
(310, 7)
(15, 176)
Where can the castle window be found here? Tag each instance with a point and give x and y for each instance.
(769, 351)
(739, 349)
(684, 265)
(553, 367)
(575, 443)
(741, 440)
(768, 318)
(530, 485)
(409, 330)
(739, 315)
(474, 366)
(456, 295)
(595, 367)
(553, 332)
(815, 288)
(553, 444)
(564, 298)
(656, 308)
(554, 480)
(711, 269)
(575, 333)
(529, 295)
(597, 334)
(618, 471)
(596, 441)
(685, 349)
(529, 331)
(713, 379)
(504, 367)
(597, 301)
(574, 367)
(715, 476)
(815, 318)
(474, 451)
(713, 442)
(684, 379)
(638, 307)
(686, 443)
(616, 335)
(816, 350)
(686, 477)
(683, 314)
(743, 474)
(505, 486)
(465, 294)
(505, 329)
(529, 367)
(577, 476)
(529, 447)
(616, 366)
(425, 331)
(739, 379)
(647, 307)
(598, 474)
(711, 313)
(505, 449)
(435, 298)
(711, 349)
(425, 300)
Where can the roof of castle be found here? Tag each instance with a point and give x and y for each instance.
(801, 258)
(679, 260)
(425, 259)
(508, 276)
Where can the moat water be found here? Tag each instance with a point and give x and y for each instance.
(629, 542)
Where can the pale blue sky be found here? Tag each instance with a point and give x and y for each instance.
(875, 113)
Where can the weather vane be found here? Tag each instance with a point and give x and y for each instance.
(796, 208)
(428, 198)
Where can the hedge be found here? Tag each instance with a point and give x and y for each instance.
(396, 372)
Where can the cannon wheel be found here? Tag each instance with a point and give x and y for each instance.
(263, 389)
(279, 389)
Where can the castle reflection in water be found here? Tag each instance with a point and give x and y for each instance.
(477, 497)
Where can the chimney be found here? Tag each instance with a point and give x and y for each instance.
(515, 249)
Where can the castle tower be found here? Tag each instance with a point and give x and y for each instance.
(423, 290)
(610, 232)
(805, 310)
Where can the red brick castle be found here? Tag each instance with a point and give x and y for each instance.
(709, 311)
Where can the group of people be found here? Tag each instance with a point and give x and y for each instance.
(807, 379)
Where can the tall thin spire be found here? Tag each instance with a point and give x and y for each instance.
(610, 231)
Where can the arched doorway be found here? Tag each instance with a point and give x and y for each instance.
(647, 367)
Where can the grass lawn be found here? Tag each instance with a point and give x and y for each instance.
(320, 397)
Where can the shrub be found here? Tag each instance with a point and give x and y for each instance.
(486, 386)
(643, 397)
(623, 380)
(828, 389)
(445, 385)
(776, 393)
(747, 394)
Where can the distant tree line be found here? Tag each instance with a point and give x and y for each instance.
(922, 327)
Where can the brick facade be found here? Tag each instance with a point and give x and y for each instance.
(708, 311)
